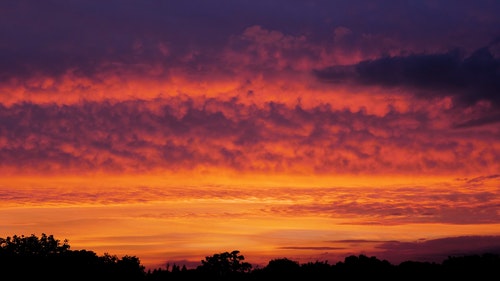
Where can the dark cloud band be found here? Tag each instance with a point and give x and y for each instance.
(467, 80)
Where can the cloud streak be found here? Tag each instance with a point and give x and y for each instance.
(447, 202)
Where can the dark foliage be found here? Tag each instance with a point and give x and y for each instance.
(46, 258)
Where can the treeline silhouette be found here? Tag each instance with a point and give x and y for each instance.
(46, 258)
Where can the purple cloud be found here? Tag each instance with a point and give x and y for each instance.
(467, 79)
(175, 133)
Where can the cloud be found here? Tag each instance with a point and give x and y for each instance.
(183, 133)
(384, 203)
(481, 179)
(87, 38)
(468, 80)
(261, 49)
(437, 250)
(458, 203)
(310, 248)
(396, 252)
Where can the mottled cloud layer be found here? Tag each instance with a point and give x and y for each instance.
(66, 53)
(179, 134)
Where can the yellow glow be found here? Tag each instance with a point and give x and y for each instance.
(160, 218)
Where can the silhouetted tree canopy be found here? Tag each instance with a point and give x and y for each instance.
(32, 245)
(47, 258)
(224, 264)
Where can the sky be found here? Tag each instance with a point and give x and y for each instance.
(311, 130)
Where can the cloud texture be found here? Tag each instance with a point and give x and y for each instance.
(307, 129)
(186, 133)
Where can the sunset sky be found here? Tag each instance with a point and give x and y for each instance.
(312, 130)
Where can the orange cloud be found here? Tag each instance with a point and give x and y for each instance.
(175, 134)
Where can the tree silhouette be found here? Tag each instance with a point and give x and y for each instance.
(46, 258)
(363, 266)
(317, 270)
(279, 269)
(224, 264)
(32, 245)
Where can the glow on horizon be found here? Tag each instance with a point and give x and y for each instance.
(162, 221)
